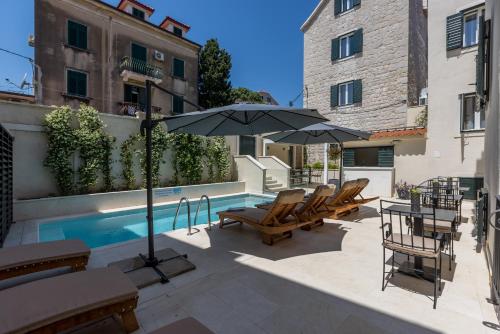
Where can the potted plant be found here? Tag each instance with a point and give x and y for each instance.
(403, 190)
(415, 199)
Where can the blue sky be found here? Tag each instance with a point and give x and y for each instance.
(262, 36)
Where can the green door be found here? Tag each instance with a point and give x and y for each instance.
(139, 52)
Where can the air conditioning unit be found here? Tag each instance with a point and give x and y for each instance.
(159, 55)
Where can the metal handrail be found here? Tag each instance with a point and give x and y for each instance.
(184, 199)
(198, 211)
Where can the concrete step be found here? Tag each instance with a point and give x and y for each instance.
(277, 190)
(274, 185)
(271, 181)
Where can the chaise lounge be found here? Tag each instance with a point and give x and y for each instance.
(345, 200)
(56, 304)
(27, 259)
(275, 223)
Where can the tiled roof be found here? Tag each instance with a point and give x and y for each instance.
(175, 22)
(122, 3)
(397, 133)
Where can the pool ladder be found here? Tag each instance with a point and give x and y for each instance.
(185, 199)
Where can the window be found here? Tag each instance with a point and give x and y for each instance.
(247, 146)
(345, 46)
(138, 13)
(345, 5)
(77, 35)
(177, 104)
(178, 70)
(369, 157)
(139, 52)
(76, 83)
(135, 95)
(471, 29)
(472, 118)
(178, 31)
(345, 93)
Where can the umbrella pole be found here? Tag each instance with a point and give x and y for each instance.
(341, 163)
(151, 260)
(325, 163)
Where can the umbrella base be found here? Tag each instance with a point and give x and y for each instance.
(166, 264)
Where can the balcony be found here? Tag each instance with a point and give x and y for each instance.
(140, 71)
(131, 109)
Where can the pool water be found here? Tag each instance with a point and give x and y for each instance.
(109, 228)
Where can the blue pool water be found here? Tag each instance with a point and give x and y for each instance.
(109, 228)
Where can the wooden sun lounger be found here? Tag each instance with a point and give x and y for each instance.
(276, 223)
(344, 201)
(26, 259)
(184, 326)
(56, 304)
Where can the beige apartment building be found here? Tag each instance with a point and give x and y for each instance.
(456, 121)
(92, 52)
(365, 67)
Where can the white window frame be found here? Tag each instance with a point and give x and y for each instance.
(348, 38)
(349, 5)
(477, 114)
(467, 15)
(347, 100)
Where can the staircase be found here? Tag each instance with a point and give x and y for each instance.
(273, 186)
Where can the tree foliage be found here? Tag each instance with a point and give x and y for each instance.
(214, 71)
(245, 95)
(188, 157)
(218, 156)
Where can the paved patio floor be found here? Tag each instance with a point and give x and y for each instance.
(324, 281)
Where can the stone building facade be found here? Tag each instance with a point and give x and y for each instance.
(89, 51)
(389, 62)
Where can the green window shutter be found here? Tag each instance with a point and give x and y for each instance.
(386, 157)
(337, 6)
(357, 91)
(178, 68)
(474, 184)
(178, 104)
(348, 158)
(138, 13)
(77, 35)
(357, 41)
(356, 3)
(139, 52)
(178, 31)
(334, 96)
(480, 58)
(454, 31)
(76, 83)
(335, 49)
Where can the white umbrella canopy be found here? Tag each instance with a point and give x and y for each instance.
(243, 119)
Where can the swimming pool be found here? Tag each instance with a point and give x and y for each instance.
(108, 228)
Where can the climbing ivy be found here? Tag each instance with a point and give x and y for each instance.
(127, 160)
(62, 142)
(188, 157)
(160, 143)
(217, 154)
(95, 148)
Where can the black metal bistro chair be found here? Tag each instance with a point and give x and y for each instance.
(413, 243)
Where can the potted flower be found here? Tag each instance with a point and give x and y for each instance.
(403, 190)
(415, 199)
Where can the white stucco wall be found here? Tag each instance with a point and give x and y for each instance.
(451, 73)
(381, 179)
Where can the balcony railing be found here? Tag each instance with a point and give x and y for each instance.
(130, 109)
(141, 67)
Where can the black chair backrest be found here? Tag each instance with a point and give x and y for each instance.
(398, 225)
(440, 192)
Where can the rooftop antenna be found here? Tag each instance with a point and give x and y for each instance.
(24, 84)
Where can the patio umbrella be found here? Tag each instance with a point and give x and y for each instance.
(243, 119)
(237, 119)
(321, 133)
